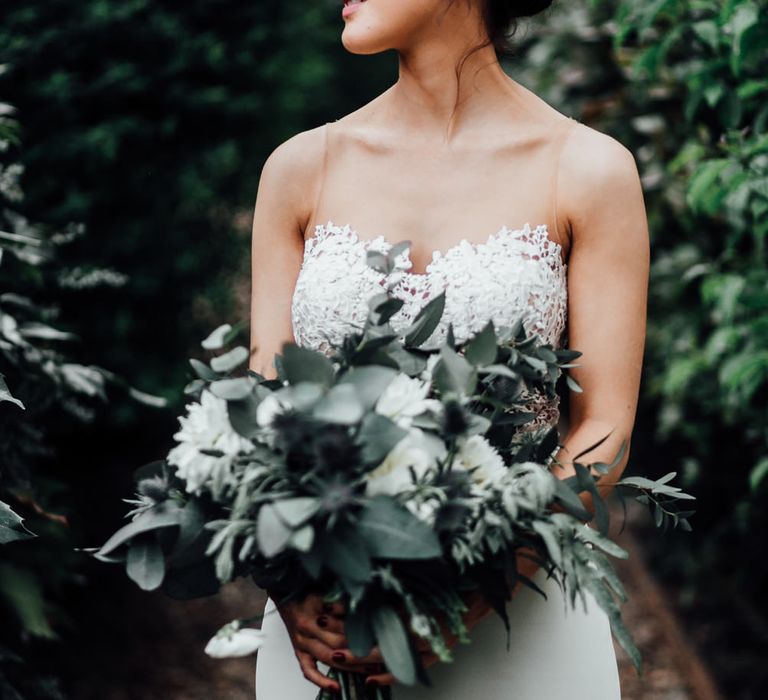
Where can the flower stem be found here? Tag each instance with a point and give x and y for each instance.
(344, 683)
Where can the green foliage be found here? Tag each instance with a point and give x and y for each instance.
(149, 122)
(683, 84)
(164, 113)
(50, 391)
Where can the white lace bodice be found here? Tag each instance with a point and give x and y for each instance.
(515, 273)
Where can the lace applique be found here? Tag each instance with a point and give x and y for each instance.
(515, 273)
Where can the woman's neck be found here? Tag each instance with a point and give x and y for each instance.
(428, 96)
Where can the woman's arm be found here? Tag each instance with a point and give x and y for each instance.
(283, 206)
(284, 203)
(602, 201)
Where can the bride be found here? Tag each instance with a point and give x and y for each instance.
(513, 209)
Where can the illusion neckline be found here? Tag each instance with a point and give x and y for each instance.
(331, 228)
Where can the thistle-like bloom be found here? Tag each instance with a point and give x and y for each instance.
(206, 427)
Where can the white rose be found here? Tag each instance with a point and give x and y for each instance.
(476, 453)
(417, 451)
(404, 398)
(206, 426)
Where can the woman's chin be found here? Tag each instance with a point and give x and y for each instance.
(357, 43)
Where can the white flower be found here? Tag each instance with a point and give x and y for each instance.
(424, 509)
(266, 411)
(206, 427)
(417, 451)
(476, 453)
(420, 625)
(404, 398)
(432, 360)
(231, 641)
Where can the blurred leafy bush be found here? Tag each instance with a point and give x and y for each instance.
(149, 122)
(685, 86)
(43, 391)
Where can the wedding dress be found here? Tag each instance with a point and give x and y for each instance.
(556, 652)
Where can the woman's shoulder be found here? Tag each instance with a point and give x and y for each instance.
(298, 156)
(598, 179)
(292, 171)
(590, 157)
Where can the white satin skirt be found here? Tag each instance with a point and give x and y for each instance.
(556, 653)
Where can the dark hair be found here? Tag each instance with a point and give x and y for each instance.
(501, 15)
(500, 19)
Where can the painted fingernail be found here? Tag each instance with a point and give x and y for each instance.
(322, 621)
(339, 657)
(371, 682)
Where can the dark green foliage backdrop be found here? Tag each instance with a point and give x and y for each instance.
(149, 122)
(683, 84)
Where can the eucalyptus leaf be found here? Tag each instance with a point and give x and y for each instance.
(392, 532)
(294, 512)
(215, 341)
(482, 348)
(11, 526)
(347, 556)
(232, 389)
(393, 642)
(230, 360)
(145, 564)
(452, 373)
(369, 382)
(272, 531)
(426, 321)
(358, 628)
(377, 436)
(165, 514)
(339, 405)
(301, 364)
(5, 394)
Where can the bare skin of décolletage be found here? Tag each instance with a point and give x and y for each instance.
(443, 137)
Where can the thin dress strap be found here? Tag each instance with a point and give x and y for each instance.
(322, 178)
(559, 142)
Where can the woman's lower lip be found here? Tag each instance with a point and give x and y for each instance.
(347, 10)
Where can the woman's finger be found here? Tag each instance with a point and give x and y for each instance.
(329, 636)
(331, 657)
(309, 668)
(372, 658)
(380, 680)
(330, 639)
(333, 608)
(330, 623)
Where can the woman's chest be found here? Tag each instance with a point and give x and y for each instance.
(515, 274)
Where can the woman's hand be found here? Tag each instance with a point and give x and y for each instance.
(316, 629)
(478, 608)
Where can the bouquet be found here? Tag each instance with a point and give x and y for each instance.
(388, 475)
